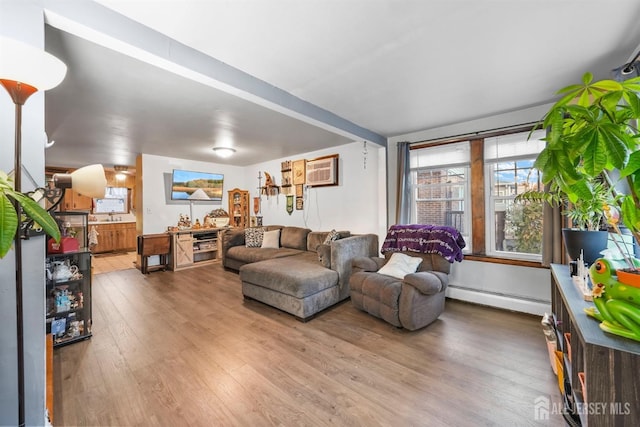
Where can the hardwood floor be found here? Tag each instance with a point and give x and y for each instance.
(183, 348)
(107, 262)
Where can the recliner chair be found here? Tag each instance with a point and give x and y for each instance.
(411, 303)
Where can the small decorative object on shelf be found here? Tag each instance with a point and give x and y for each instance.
(580, 279)
(218, 218)
(270, 188)
(184, 222)
(617, 307)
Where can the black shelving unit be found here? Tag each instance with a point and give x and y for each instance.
(68, 293)
(68, 283)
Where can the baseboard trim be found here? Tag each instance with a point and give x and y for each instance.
(499, 301)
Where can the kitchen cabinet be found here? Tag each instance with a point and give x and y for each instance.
(239, 208)
(115, 237)
(74, 201)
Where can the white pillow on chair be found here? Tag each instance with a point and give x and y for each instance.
(399, 265)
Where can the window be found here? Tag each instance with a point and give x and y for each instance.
(514, 229)
(449, 188)
(440, 184)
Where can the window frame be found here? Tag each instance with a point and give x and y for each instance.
(477, 244)
(466, 200)
(490, 213)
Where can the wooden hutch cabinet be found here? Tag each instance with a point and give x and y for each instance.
(239, 208)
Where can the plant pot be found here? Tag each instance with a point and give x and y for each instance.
(629, 277)
(591, 243)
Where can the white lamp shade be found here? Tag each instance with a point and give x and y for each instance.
(89, 181)
(27, 64)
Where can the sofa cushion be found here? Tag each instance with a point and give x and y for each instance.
(324, 255)
(253, 237)
(294, 238)
(316, 238)
(271, 239)
(310, 276)
(331, 236)
(377, 294)
(248, 255)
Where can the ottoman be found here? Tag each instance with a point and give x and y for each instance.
(298, 285)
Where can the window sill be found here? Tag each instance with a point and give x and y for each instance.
(496, 260)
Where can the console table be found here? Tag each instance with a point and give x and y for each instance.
(609, 365)
(192, 248)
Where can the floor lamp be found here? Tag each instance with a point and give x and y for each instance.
(24, 70)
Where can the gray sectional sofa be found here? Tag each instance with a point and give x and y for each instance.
(302, 276)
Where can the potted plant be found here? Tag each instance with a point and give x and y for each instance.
(9, 216)
(593, 137)
(586, 214)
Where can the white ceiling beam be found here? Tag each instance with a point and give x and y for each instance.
(108, 28)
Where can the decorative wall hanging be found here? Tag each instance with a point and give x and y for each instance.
(298, 172)
(299, 190)
(322, 171)
(299, 203)
(289, 204)
(287, 177)
(270, 188)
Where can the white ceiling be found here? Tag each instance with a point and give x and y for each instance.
(387, 66)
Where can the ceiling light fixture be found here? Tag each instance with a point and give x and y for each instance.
(121, 171)
(224, 152)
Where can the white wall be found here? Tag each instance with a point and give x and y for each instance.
(357, 204)
(512, 287)
(158, 210)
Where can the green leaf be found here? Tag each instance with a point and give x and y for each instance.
(39, 215)
(607, 85)
(614, 145)
(633, 165)
(630, 214)
(8, 224)
(587, 78)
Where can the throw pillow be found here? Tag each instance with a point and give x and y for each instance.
(399, 265)
(324, 255)
(331, 236)
(253, 237)
(271, 239)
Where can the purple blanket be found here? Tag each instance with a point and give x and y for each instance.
(426, 239)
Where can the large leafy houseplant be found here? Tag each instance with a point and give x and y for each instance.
(593, 137)
(9, 216)
(586, 212)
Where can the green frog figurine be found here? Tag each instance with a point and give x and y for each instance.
(617, 306)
